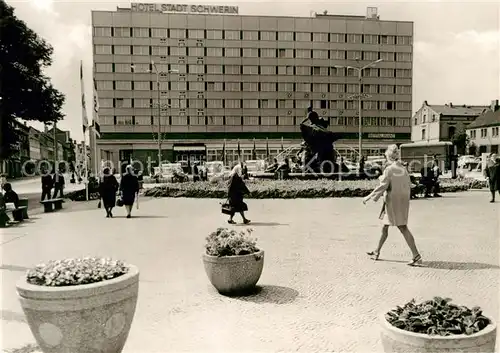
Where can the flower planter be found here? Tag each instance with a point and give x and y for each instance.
(234, 274)
(88, 318)
(395, 340)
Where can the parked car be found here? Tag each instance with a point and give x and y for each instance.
(255, 166)
(217, 169)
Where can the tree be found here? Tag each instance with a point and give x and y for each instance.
(461, 140)
(25, 91)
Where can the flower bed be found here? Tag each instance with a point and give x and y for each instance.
(286, 189)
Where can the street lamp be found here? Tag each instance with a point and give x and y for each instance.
(360, 95)
(158, 104)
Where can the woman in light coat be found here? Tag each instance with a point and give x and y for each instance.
(395, 186)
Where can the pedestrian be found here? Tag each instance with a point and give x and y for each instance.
(10, 196)
(395, 187)
(58, 184)
(129, 187)
(237, 189)
(47, 184)
(493, 175)
(107, 190)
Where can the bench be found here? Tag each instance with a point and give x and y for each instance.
(16, 213)
(52, 204)
(24, 203)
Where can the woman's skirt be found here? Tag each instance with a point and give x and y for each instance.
(238, 206)
(128, 199)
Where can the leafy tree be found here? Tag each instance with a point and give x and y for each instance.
(461, 140)
(25, 91)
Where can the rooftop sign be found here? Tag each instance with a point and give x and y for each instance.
(183, 8)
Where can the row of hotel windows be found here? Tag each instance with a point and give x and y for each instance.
(253, 104)
(127, 32)
(182, 70)
(101, 49)
(245, 121)
(283, 87)
(484, 132)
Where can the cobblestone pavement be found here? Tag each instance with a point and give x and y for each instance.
(319, 293)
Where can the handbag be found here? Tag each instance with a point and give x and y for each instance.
(119, 202)
(226, 208)
(99, 204)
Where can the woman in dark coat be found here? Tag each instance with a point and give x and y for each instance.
(493, 174)
(129, 187)
(237, 189)
(107, 189)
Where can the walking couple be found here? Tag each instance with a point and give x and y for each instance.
(128, 187)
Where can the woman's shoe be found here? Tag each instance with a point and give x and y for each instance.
(246, 221)
(129, 216)
(374, 255)
(230, 221)
(416, 261)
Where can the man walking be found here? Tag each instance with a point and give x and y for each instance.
(58, 184)
(493, 175)
(47, 184)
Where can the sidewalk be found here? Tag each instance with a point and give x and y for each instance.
(320, 292)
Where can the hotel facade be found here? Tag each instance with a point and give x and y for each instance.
(232, 80)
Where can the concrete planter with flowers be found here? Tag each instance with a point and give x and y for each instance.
(80, 305)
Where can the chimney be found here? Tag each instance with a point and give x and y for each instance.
(494, 105)
(425, 102)
(451, 105)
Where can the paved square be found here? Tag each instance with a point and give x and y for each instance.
(320, 292)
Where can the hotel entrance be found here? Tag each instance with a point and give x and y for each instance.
(187, 154)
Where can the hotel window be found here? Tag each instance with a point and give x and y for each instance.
(320, 87)
(215, 120)
(178, 86)
(140, 32)
(267, 35)
(387, 56)
(232, 87)
(370, 89)
(123, 85)
(336, 88)
(196, 69)
(123, 68)
(250, 35)
(403, 106)
(484, 133)
(233, 120)
(122, 49)
(141, 85)
(197, 86)
(353, 54)
(285, 103)
(285, 87)
(178, 51)
(106, 102)
(386, 89)
(267, 103)
(338, 54)
(302, 103)
(159, 51)
(350, 105)
(107, 120)
(268, 70)
(232, 69)
(232, 35)
(215, 86)
(214, 103)
(286, 36)
(337, 38)
(197, 103)
(320, 37)
(337, 104)
(215, 69)
(268, 87)
(386, 72)
(303, 37)
(124, 120)
(370, 55)
(250, 70)
(302, 87)
(103, 67)
(403, 73)
(250, 87)
(196, 33)
(370, 72)
(354, 38)
(268, 53)
(268, 120)
(251, 103)
(214, 52)
(406, 57)
(197, 120)
(143, 120)
(370, 39)
(403, 89)
(102, 31)
(285, 70)
(121, 32)
(122, 103)
(142, 103)
(303, 53)
(403, 40)
(251, 120)
(391, 40)
(159, 32)
(336, 71)
(196, 52)
(402, 122)
(178, 33)
(232, 52)
(303, 71)
(372, 105)
(320, 54)
(214, 34)
(351, 72)
(321, 71)
(140, 68)
(232, 104)
(352, 88)
(140, 50)
(285, 53)
(102, 49)
(179, 120)
(285, 120)
(249, 53)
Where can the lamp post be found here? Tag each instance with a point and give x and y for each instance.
(359, 69)
(158, 104)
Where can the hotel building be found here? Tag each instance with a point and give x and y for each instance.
(229, 79)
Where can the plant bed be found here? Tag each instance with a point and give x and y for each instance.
(285, 189)
(437, 326)
(232, 261)
(80, 305)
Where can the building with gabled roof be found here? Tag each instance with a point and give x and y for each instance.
(484, 131)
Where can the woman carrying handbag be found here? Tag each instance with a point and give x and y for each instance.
(237, 189)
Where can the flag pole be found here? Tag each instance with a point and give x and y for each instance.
(85, 168)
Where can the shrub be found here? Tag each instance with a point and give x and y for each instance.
(73, 272)
(437, 317)
(225, 242)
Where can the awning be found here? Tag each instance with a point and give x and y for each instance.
(190, 148)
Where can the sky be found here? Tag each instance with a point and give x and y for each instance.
(456, 44)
